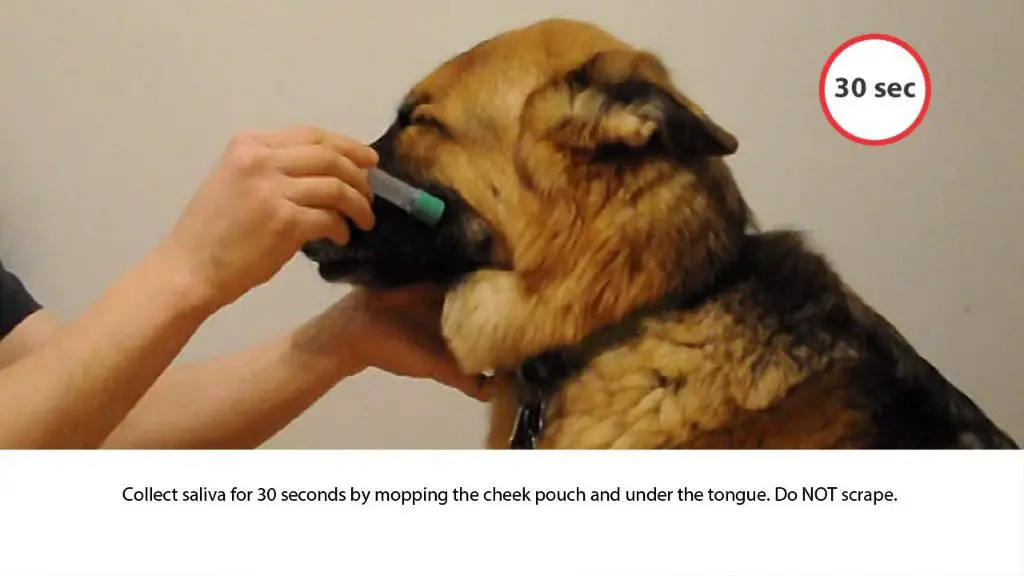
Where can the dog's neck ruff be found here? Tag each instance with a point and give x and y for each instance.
(542, 376)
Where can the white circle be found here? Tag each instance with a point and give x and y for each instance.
(875, 89)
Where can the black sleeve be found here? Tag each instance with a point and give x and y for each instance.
(16, 303)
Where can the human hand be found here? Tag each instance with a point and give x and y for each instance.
(270, 193)
(397, 331)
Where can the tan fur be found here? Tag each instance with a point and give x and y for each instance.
(516, 125)
(690, 374)
(499, 100)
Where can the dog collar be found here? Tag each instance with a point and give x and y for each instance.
(540, 378)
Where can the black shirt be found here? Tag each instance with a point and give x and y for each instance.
(16, 303)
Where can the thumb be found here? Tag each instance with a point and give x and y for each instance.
(447, 372)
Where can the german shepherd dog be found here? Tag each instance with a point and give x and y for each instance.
(599, 252)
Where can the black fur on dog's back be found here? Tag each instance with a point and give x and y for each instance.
(909, 404)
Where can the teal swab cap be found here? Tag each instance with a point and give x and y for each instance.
(419, 204)
(428, 209)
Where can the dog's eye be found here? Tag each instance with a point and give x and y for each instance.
(409, 118)
(429, 122)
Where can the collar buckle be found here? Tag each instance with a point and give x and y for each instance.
(540, 376)
(529, 425)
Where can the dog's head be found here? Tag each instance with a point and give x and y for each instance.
(557, 148)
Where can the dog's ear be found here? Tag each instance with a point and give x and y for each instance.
(625, 100)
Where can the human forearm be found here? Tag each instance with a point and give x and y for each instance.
(269, 195)
(74, 391)
(241, 400)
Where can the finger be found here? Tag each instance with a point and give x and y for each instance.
(484, 388)
(360, 154)
(314, 223)
(446, 371)
(321, 160)
(475, 387)
(326, 193)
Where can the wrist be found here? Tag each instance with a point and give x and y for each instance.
(324, 344)
(186, 290)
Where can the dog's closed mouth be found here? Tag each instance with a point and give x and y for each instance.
(390, 257)
(334, 261)
(325, 251)
(402, 250)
